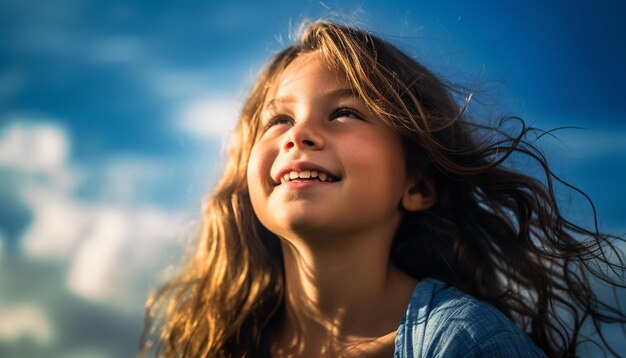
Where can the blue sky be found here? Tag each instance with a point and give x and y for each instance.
(114, 115)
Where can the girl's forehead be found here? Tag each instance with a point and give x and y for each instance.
(309, 71)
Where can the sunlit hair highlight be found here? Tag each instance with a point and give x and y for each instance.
(494, 233)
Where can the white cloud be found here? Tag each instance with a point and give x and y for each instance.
(110, 249)
(111, 244)
(126, 176)
(24, 321)
(94, 260)
(213, 117)
(120, 247)
(32, 145)
(58, 224)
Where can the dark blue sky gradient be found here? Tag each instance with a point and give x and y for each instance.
(559, 59)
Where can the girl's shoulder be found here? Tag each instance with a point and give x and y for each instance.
(440, 320)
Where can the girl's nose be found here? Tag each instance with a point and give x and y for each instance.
(303, 136)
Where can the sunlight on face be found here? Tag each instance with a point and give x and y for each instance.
(323, 163)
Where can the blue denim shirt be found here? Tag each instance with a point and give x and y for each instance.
(442, 321)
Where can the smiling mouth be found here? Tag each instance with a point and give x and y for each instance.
(307, 175)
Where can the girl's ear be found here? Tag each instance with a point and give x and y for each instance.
(419, 193)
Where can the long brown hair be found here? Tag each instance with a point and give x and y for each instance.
(494, 232)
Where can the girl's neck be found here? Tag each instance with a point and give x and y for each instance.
(341, 297)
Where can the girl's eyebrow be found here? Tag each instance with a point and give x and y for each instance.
(340, 93)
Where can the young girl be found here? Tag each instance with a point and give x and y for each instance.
(362, 214)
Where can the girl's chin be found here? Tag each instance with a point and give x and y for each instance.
(305, 227)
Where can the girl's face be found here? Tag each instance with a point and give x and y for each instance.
(323, 164)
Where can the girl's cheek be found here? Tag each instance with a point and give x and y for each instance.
(259, 163)
(251, 169)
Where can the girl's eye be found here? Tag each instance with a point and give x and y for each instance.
(280, 120)
(346, 113)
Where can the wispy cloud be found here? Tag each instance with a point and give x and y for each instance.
(198, 109)
(119, 250)
(211, 117)
(33, 144)
(109, 247)
(118, 50)
(24, 322)
(106, 242)
(58, 224)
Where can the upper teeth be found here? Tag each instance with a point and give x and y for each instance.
(304, 175)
